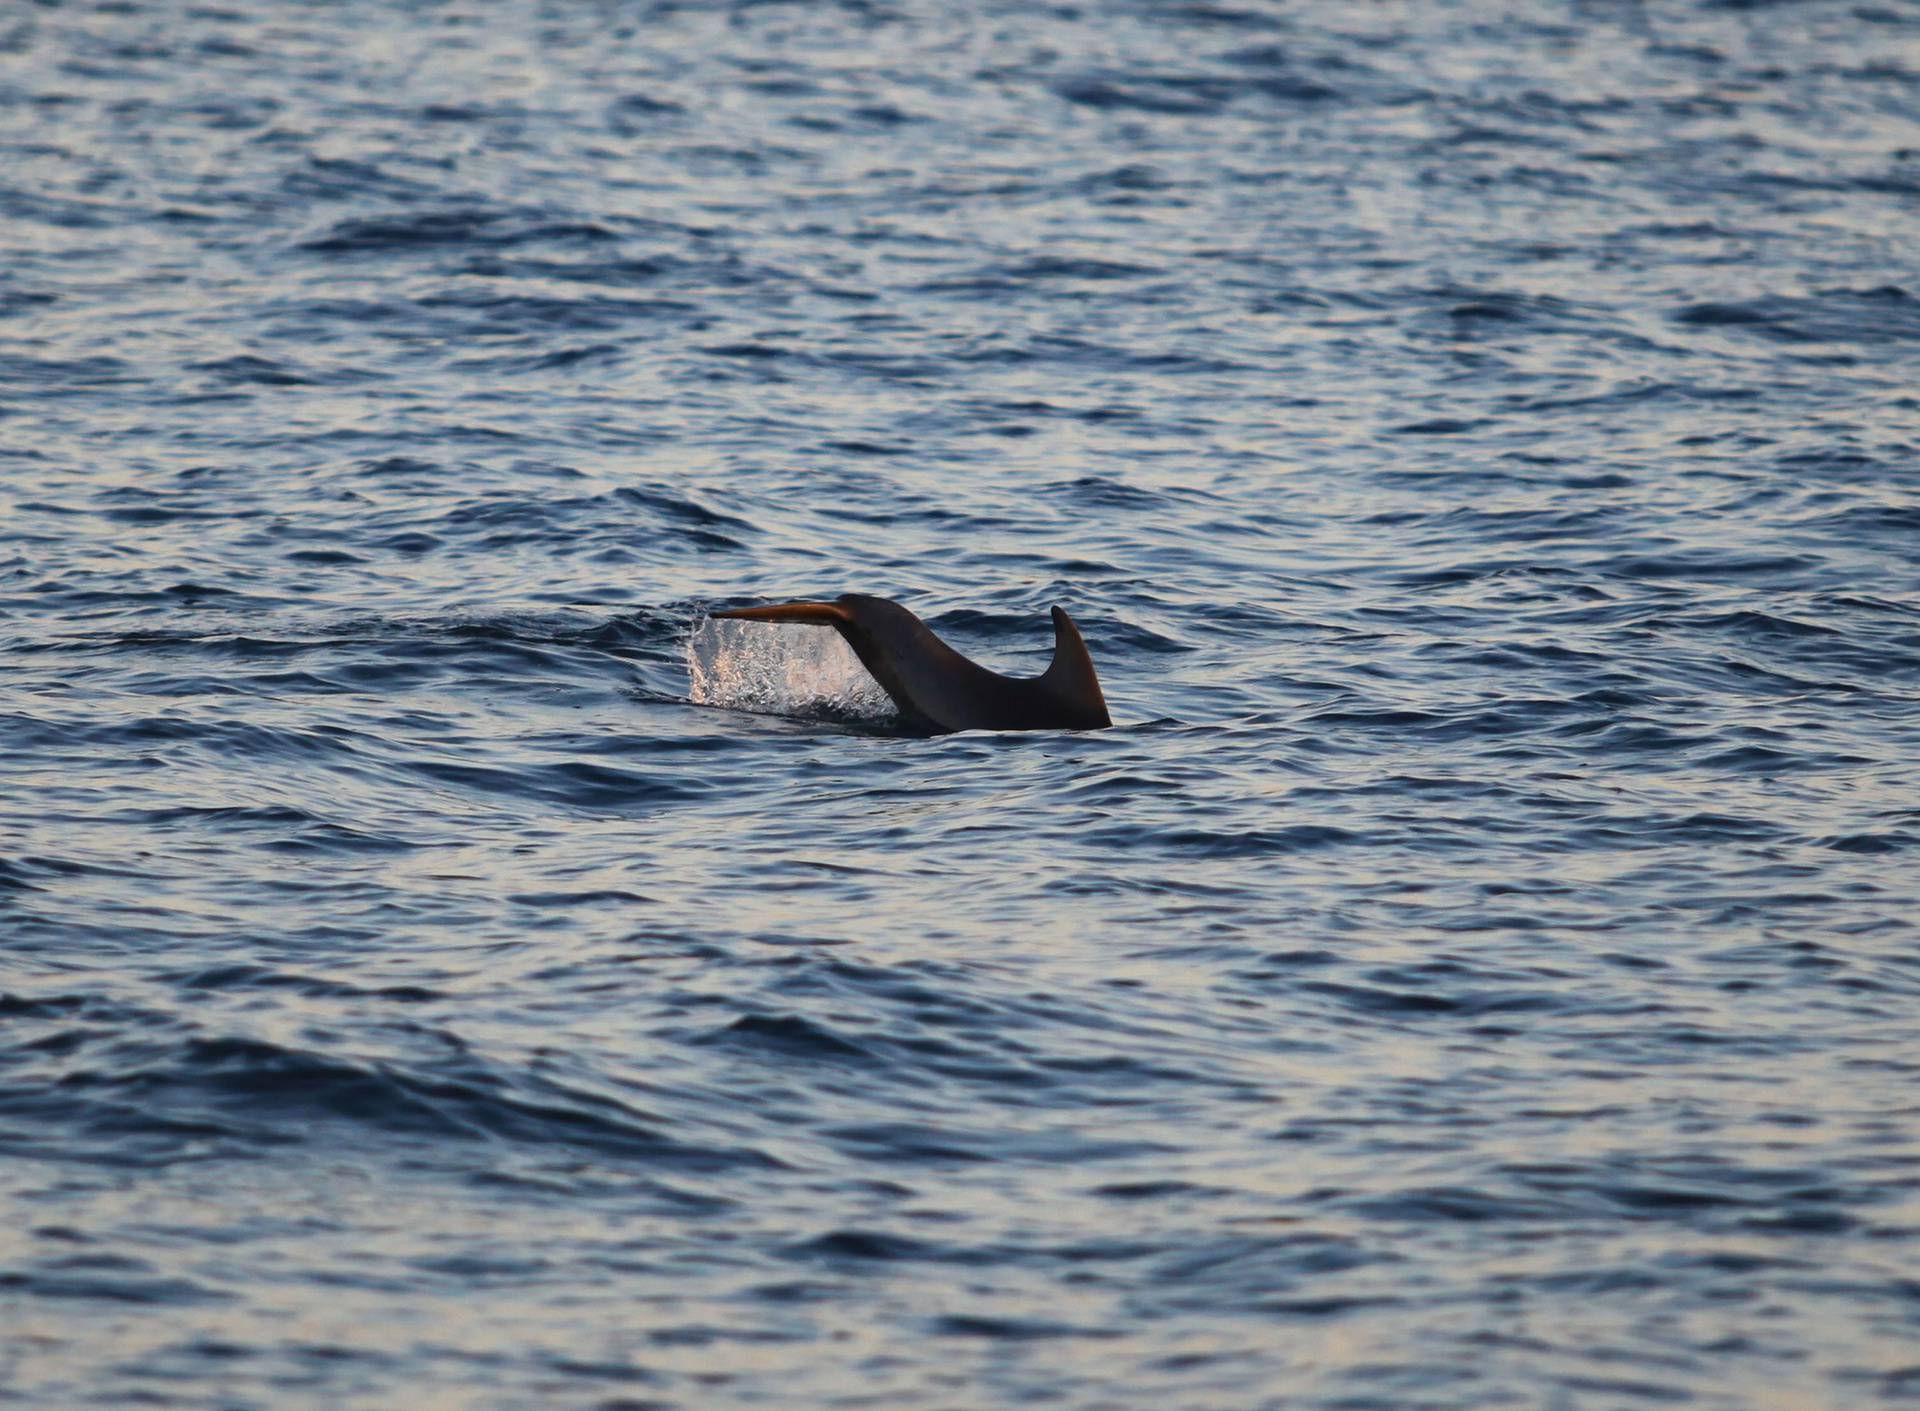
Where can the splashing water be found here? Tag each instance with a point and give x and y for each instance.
(781, 670)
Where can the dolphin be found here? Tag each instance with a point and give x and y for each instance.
(939, 691)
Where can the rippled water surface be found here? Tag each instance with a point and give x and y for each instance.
(1479, 444)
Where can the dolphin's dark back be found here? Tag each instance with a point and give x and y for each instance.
(933, 685)
(938, 690)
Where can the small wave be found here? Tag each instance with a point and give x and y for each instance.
(1888, 314)
(171, 1098)
(429, 229)
(1194, 94)
(790, 1035)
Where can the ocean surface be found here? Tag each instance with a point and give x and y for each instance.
(1481, 445)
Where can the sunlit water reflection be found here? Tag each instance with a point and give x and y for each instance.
(1478, 969)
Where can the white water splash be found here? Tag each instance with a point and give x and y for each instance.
(781, 669)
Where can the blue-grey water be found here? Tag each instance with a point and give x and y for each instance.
(1480, 445)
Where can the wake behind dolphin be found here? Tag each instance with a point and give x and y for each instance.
(937, 690)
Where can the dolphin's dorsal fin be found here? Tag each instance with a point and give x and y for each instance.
(1070, 676)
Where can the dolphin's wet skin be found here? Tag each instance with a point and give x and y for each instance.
(442, 966)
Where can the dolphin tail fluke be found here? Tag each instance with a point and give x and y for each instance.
(825, 614)
(1071, 676)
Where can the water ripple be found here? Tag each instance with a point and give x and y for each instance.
(1478, 967)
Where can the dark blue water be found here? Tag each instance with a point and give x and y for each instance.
(1482, 448)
